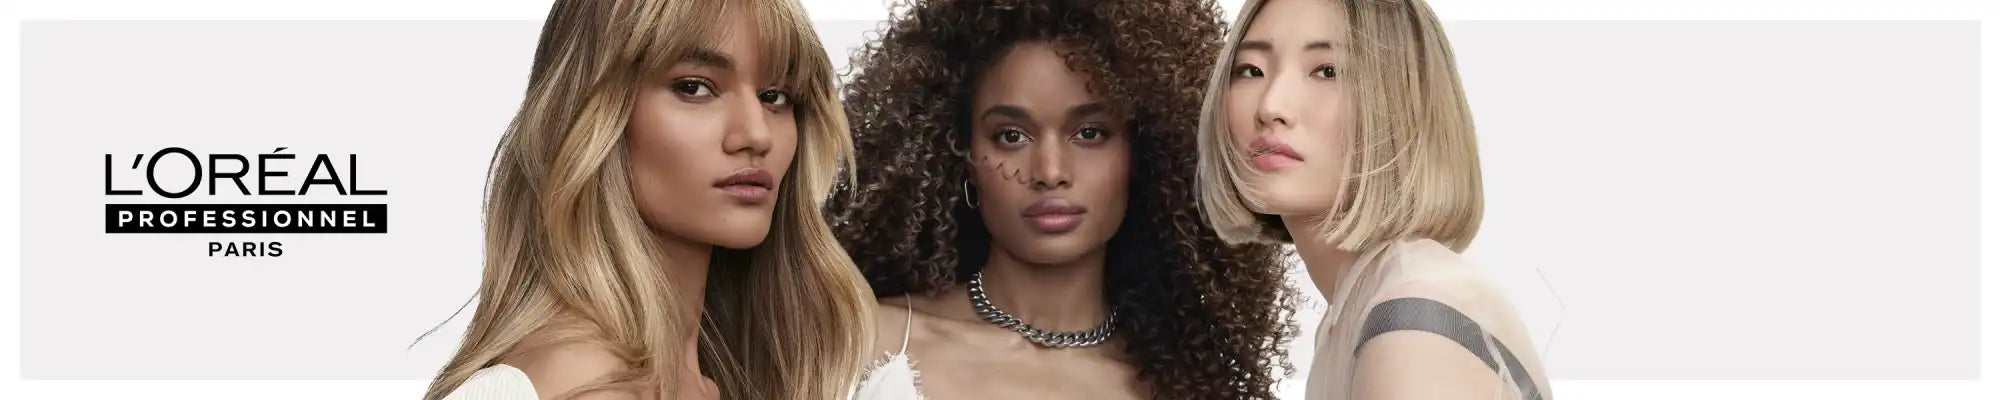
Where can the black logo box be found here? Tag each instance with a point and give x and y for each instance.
(367, 218)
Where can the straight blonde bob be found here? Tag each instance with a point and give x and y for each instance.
(568, 258)
(1413, 167)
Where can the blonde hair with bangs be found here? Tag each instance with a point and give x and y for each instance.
(569, 259)
(1413, 165)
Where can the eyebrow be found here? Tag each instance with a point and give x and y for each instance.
(1075, 113)
(1005, 110)
(1086, 110)
(709, 58)
(1249, 45)
(1265, 45)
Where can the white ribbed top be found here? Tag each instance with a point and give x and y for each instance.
(498, 382)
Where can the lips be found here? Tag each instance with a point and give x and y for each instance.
(1054, 216)
(1269, 153)
(749, 185)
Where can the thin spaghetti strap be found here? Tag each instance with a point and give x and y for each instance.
(909, 315)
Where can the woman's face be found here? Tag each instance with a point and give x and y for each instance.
(1050, 159)
(1289, 108)
(709, 141)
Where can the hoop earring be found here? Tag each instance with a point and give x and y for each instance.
(965, 185)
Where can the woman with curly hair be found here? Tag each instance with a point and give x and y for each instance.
(1023, 205)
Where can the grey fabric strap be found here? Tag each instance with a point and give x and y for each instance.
(1421, 314)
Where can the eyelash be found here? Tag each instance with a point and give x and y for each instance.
(783, 100)
(704, 89)
(1001, 136)
(1330, 71)
(1102, 134)
(694, 87)
(1247, 71)
(1241, 69)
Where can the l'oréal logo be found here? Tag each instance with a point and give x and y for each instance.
(240, 176)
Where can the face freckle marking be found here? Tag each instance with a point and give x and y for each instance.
(1013, 174)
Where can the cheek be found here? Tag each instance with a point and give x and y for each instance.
(785, 139)
(1118, 166)
(1119, 174)
(1331, 129)
(665, 141)
(996, 176)
(1328, 131)
(993, 170)
(1105, 176)
(664, 157)
(1241, 115)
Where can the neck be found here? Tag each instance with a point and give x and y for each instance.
(1066, 296)
(691, 384)
(1325, 262)
(686, 267)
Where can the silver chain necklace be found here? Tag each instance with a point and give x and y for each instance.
(1061, 340)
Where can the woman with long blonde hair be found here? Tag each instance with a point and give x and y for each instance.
(652, 224)
(1340, 127)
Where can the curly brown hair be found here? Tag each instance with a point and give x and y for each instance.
(1201, 318)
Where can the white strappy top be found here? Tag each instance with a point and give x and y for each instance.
(894, 378)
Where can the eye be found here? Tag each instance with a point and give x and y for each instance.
(775, 98)
(694, 87)
(1091, 134)
(1247, 71)
(1012, 136)
(1324, 72)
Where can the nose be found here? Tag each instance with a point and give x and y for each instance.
(748, 131)
(1049, 165)
(1274, 110)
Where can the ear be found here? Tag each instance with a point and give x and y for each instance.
(973, 163)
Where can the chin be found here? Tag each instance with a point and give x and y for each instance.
(1293, 201)
(1050, 250)
(741, 241)
(738, 233)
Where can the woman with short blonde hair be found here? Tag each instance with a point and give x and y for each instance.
(1339, 126)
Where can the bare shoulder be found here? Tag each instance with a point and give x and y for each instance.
(1417, 365)
(555, 369)
(1430, 283)
(1431, 271)
(892, 318)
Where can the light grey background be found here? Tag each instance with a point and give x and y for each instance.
(1737, 200)
(1707, 199)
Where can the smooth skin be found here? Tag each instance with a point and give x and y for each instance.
(694, 124)
(1287, 86)
(1037, 134)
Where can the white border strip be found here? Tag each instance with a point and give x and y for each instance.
(1566, 389)
(11, 387)
(876, 9)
